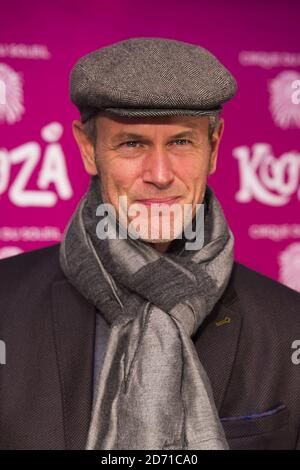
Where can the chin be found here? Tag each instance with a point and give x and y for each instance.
(157, 240)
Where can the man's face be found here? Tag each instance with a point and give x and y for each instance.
(150, 159)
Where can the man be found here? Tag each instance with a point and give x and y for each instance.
(121, 339)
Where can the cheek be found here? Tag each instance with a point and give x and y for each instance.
(193, 169)
(119, 176)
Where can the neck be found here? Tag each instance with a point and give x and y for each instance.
(161, 247)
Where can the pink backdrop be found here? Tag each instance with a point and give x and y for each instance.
(257, 181)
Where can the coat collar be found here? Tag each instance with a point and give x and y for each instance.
(74, 321)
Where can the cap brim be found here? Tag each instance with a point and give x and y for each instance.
(135, 112)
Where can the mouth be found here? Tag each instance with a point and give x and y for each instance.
(169, 200)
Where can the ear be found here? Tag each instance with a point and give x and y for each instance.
(215, 142)
(86, 147)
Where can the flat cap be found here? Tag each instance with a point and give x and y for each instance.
(150, 77)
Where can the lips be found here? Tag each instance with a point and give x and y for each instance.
(169, 200)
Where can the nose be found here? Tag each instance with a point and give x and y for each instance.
(157, 168)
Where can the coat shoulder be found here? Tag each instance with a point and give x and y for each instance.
(261, 296)
(34, 269)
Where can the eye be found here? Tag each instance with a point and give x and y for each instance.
(130, 144)
(183, 141)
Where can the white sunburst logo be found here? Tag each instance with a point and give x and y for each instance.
(8, 251)
(11, 95)
(284, 111)
(289, 266)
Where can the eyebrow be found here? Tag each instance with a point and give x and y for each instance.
(133, 136)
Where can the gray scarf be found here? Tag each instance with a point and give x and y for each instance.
(153, 392)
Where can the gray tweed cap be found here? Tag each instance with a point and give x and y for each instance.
(150, 77)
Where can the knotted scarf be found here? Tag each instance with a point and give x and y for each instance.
(152, 392)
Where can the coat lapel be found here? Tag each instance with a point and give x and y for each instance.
(74, 333)
(216, 342)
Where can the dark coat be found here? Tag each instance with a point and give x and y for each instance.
(49, 331)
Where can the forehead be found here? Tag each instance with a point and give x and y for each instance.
(114, 124)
